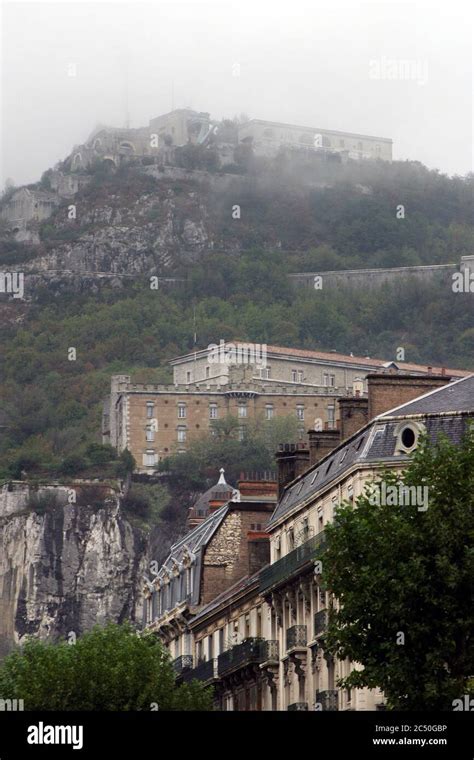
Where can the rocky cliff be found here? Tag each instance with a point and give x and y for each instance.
(66, 568)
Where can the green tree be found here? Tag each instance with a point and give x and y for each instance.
(403, 578)
(108, 669)
(126, 464)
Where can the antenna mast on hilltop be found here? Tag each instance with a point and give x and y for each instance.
(124, 59)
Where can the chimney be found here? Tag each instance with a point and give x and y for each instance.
(292, 459)
(354, 414)
(322, 442)
(387, 391)
(258, 543)
(257, 486)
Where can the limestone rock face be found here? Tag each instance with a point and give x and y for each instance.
(66, 569)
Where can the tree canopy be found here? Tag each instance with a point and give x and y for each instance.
(403, 580)
(106, 669)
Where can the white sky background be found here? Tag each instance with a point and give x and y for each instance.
(301, 61)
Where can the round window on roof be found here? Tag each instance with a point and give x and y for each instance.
(408, 437)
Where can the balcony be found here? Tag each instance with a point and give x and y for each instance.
(300, 558)
(248, 652)
(270, 651)
(204, 671)
(320, 623)
(184, 662)
(326, 700)
(298, 706)
(296, 638)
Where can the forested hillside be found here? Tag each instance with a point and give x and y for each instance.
(338, 216)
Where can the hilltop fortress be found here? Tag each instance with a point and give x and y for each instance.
(188, 145)
(159, 144)
(184, 126)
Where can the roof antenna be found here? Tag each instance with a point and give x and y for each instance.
(124, 55)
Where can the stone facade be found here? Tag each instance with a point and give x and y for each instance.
(151, 439)
(28, 205)
(154, 421)
(268, 137)
(181, 126)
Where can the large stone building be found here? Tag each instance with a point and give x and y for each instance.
(260, 640)
(27, 205)
(268, 137)
(153, 421)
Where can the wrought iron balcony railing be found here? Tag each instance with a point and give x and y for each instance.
(184, 662)
(296, 706)
(270, 651)
(204, 671)
(296, 637)
(326, 700)
(291, 563)
(320, 623)
(251, 650)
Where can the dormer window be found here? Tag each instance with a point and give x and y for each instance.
(407, 435)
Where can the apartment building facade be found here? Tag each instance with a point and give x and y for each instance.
(261, 641)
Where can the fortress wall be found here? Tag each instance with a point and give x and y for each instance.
(373, 278)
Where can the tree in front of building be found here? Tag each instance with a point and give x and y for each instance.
(402, 575)
(110, 668)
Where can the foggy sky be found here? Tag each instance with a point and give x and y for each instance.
(326, 64)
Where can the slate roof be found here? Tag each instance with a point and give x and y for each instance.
(196, 539)
(338, 358)
(454, 397)
(376, 442)
(219, 490)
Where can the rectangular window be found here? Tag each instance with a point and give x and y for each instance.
(150, 434)
(181, 411)
(149, 409)
(331, 417)
(300, 375)
(294, 375)
(305, 528)
(242, 410)
(241, 433)
(188, 377)
(300, 412)
(213, 411)
(264, 373)
(208, 371)
(149, 458)
(181, 435)
(269, 412)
